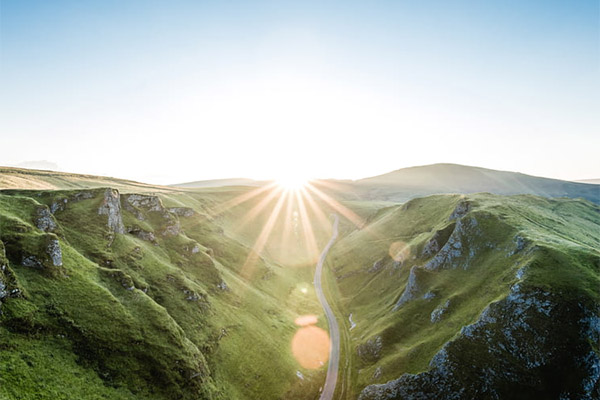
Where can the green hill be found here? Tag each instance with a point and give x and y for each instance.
(183, 293)
(109, 295)
(21, 178)
(220, 183)
(409, 183)
(459, 296)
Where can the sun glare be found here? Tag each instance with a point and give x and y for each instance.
(292, 183)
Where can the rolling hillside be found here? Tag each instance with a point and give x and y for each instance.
(407, 183)
(21, 178)
(184, 293)
(458, 296)
(145, 296)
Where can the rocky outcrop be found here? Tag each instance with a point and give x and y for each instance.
(8, 283)
(515, 350)
(411, 289)
(146, 202)
(139, 204)
(182, 211)
(438, 313)
(173, 228)
(432, 246)
(111, 206)
(370, 351)
(142, 234)
(461, 209)
(44, 219)
(54, 252)
(460, 247)
(520, 244)
(429, 295)
(437, 241)
(58, 205)
(52, 256)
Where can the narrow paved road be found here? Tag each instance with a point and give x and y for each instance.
(334, 330)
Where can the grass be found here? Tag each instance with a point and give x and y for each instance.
(560, 255)
(143, 320)
(129, 318)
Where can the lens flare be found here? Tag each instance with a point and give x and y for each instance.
(310, 345)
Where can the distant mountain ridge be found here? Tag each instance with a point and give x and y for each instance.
(407, 183)
(396, 186)
(592, 181)
(220, 183)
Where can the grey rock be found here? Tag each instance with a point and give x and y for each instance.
(58, 205)
(520, 244)
(32, 261)
(411, 289)
(520, 352)
(82, 196)
(182, 211)
(429, 295)
(438, 313)
(53, 250)
(173, 229)
(460, 244)
(462, 208)
(142, 234)
(111, 206)
(432, 246)
(223, 286)
(44, 219)
(521, 273)
(147, 202)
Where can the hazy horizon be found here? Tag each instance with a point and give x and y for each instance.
(179, 92)
(50, 166)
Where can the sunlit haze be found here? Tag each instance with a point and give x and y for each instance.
(169, 92)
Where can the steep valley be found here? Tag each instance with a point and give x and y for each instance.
(112, 289)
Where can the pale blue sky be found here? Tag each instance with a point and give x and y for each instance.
(170, 91)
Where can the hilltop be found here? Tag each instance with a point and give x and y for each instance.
(407, 183)
(22, 178)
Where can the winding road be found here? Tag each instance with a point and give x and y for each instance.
(334, 330)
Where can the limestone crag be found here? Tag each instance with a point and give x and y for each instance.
(111, 206)
(53, 250)
(411, 289)
(182, 211)
(523, 352)
(44, 219)
(459, 250)
(438, 313)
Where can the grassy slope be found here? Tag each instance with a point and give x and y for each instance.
(21, 178)
(115, 341)
(562, 236)
(413, 182)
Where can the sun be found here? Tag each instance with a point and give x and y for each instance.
(291, 182)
